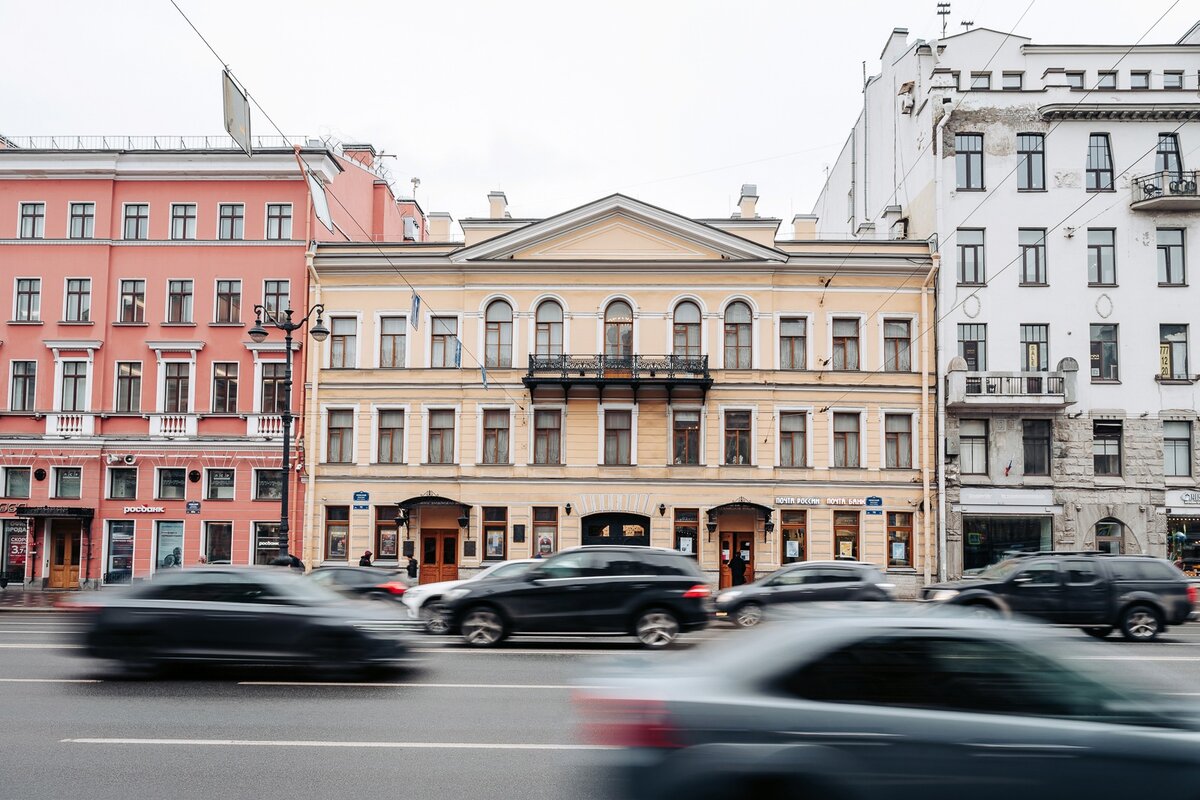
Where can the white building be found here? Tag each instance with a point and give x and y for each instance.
(1059, 182)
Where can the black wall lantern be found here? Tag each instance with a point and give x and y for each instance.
(662, 509)
(464, 522)
(568, 509)
(768, 527)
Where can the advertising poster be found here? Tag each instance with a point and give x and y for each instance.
(898, 552)
(686, 545)
(387, 544)
(170, 545)
(792, 548)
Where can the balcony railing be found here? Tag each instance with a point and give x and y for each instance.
(268, 426)
(1166, 191)
(173, 426)
(70, 424)
(1032, 389)
(632, 370)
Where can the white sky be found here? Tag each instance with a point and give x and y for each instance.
(556, 103)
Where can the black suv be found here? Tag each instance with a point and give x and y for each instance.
(651, 593)
(1094, 591)
(806, 582)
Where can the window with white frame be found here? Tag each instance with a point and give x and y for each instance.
(131, 301)
(273, 387)
(137, 220)
(229, 301)
(16, 481)
(225, 387)
(495, 436)
(172, 483)
(183, 220)
(389, 436)
(28, 303)
(443, 335)
(343, 342)
(129, 387)
(82, 222)
(793, 439)
(973, 446)
(685, 436)
(279, 220)
(68, 482)
(179, 301)
(793, 343)
(220, 484)
(440, 436)
(231, 219)
(276, 299)
(498, 337)
(339, 436)
(685, 330)
(846, 439)
(898, 438)
(1177, 448)
(739, 342)
(547, 436)
(845, 344)
(897, 344)
(122, 483)
(78, 306)
(392, 338)
(739, 440)
(33, 220)
(618, 437)
(177, 379)
(549, 329)
(74, 386)
(268, 484)
(23, 391)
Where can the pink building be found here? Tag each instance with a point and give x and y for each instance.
(141, 426)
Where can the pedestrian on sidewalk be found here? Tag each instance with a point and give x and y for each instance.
(737, 568)
(365, 561)
(295, 563)
(412, 567)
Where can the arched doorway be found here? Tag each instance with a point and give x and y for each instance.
(1110, 536)
(616, 529)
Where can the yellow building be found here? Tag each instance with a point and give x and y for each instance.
(648, 378)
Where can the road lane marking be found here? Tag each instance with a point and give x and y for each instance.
(313, 743)
(548, 686)
(40, 646)
(505, 652)
(50, 680)
(29, 632)
(1133, 658)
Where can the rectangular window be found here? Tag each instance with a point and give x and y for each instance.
(137, 221)
(1139, 80)
(78, 306)
(968, 160)
(183, 220)
(545, 530)
(441, 436)
(266, 543)
(443, 333)
(74, 386)
(737, 438)
(218, 542)
(973, 446)
(16, 481)
(846, 447)
(793, 343)
(547, 436)
(1035, 347)
(171, 483)
(793, 444)
(225, 386)
(794, 528)
(1173, 352)
(131, 305)
(972, 345)
(1035, 439)
(618, 432)
(231, 218)
(229, 301)
(1014, 80)
(1172, 271)
(177, 381)
(220, 484)
(1167, 157)
(392, 342)
(268, 484)
(273, 392)
(82, 220)
(1032, 242)
(68, 482)
(845, 344)
(687, 531)
(981, 81)
(897, 343)
(118, 567)
(33, 220)
(279, 220)
(970, 256)
(1172, 79)
(387, 533)
(845, 534)
(343, 343)
(129, 387)
(898, 441)
(179, 301)
(22, 394)
(1031, 165)
(29, 300)
(495, 436)
(1106, 80)
(122, 483)
(1075, 80)
(276, 299)
(390, 437)
(495, 533)
(340, 437)
(1104, 356)
(337, 533)
(1106, 447)
(899, 536)
(1099, 163)
(685, 437)
(1177, 448)
(1102, 256)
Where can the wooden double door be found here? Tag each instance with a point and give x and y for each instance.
(65, 538)
(439, 556)
(735, 542)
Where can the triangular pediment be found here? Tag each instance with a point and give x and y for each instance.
(618, 228)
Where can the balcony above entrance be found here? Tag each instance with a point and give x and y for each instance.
(1011, 390)
(636, 371)
(1166, 191)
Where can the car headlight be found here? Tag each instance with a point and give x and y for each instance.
(726, 596)
(942, 595)
(454, 594)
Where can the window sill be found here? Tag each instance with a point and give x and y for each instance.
(1110, 382)
(490, 464)
(1100, 191)
(439, 463)
(131, 325)
(536, 464)
(1103, 285)
(970, 189)
(177, 324)
(1110, 480)
(219, 499)
(267, 499)
(1035, 285)
(1162, 285)
(78, 322)
(1174, 381)
(616, 466)
(226, 324)
(740, 466)
(1031, 191)
(902, 570)
(970, 285)
(686, 466)
(899, 469)
(25, 322)
(1180, 482)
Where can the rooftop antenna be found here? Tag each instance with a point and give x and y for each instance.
(967, 23)
(943, 10)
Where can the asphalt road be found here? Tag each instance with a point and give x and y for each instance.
(470, 724)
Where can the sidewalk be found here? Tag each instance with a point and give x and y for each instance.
(16, 598)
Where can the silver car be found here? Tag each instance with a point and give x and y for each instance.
(889, 704)
(424, 600)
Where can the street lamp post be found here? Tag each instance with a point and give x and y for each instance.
(258, 333)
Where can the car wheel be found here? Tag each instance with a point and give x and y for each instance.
(983, 611)
(748, 615)
(1140, 624)
(482, 627)
(656, 628)
(1099, 633)
(135, 652)
(434, 617)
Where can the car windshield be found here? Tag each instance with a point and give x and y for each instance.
(307, 592)
(1001, 570)
(507, 570)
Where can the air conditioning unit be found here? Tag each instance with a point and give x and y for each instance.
(130, 459)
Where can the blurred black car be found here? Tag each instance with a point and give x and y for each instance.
(1140, 595)
(239, 616)
(651, 593)
(805, 582)
(915, 703)
(370, 583)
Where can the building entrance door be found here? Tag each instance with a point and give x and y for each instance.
(735, 542)
(439, 556)
(64, 554)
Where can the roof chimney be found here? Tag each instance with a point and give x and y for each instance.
(361, 152)
(497, 205)
(748, 201)
(439, 226)
(804, 226)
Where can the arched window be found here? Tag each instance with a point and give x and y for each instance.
(549, 329)
(618, 330)
(686, 337)
(738, 346)
(1110, 536)
(498, 346)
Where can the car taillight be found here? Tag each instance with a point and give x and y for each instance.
(698, 592)
(1192, 593)
(394, 587)
(615, 722)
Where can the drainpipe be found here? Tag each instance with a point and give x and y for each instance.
(926, 506)
(312, 429)
(940, 431)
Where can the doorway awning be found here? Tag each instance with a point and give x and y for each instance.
(55, 512)
(742, 504)
(431, 499)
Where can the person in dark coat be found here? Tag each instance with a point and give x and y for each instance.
(737, 569)
(365, 561)
(412, 567)
(294, 562)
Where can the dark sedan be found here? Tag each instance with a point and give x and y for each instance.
(806, 582)
(239, 616)
(367, 583)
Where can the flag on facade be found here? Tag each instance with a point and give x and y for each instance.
(483, 374)
(320, 202)
(237, 111)
(457, 352)
(416, 310)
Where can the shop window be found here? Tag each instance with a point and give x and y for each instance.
(220, 484)
(68, 482)
(1035, 347)
(845, 534)
(387, 534)
(1177, 448)
(118, 565)
(495, 533)
(1106, 447)
(687, 531)
(16, 481)
(987, 540)
(1110, 536)
(899, 538)
(337, 533)
(794, 527)
(1035, 436)
(266, 542)
(171, 483)
(973, 446)
(547, 436)
(738, 440)
(122, 483)
(495, 436)
(168, 545)
(218, 542)
(14, 556)
(685, 437)
(1104, 353)
(545, 530)
(268, 484)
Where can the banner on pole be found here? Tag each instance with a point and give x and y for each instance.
(416, 310)
(237, 111)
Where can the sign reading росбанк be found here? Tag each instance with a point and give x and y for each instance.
(828, 501)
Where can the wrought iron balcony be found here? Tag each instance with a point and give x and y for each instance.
(1166, 191)
(669, 371)
(1011, 389)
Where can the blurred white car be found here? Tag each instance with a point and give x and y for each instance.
(422, 600)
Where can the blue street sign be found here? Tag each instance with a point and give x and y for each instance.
(362, 508)
(875, 512)
(193, 506)
(361, 497)
(874, 501)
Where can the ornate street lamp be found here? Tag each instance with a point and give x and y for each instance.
(283, 321)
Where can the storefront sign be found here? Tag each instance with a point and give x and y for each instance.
(55, 511)
(146, 510)
(193, 507)
(1189, 498)
(16, 550)
(829, 501)
(9, 508)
